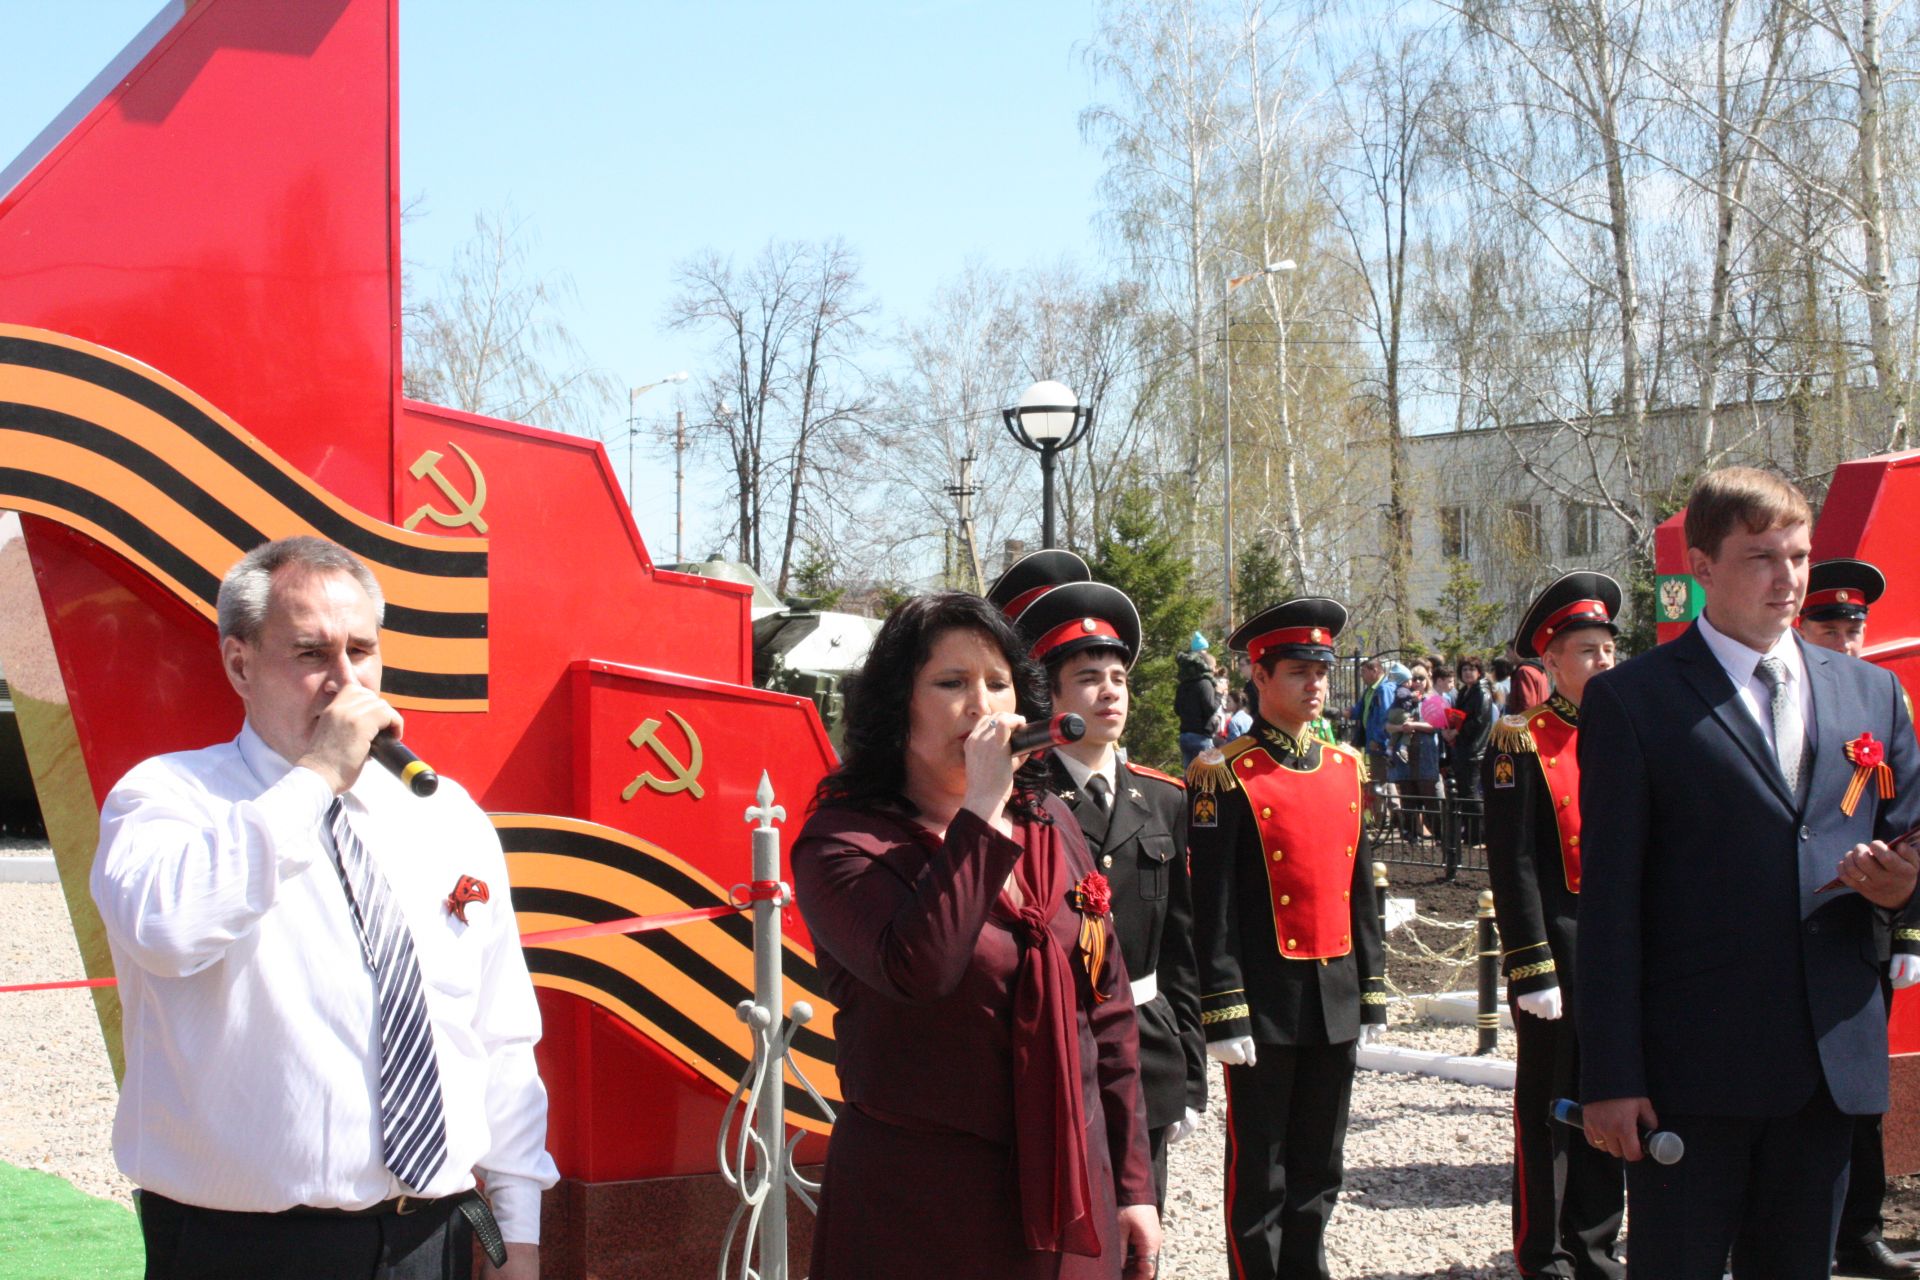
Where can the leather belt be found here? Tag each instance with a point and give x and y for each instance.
(478, 1213)
(1146, 989)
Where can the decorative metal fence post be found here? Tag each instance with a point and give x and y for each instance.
(1489, 1011)
(756, 1156)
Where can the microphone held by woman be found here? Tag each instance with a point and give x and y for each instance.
(1063, 728)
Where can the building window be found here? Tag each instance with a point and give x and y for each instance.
(1525, 537)
(1455, 544)
(1583, 529)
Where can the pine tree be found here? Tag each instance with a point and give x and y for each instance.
(1259, 580)
(1463, 622)
(1137, 554)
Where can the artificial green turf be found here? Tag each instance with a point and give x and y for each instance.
(49, 1230)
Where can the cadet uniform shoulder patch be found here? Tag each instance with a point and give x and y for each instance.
(1511, 734)
(1206, 810)
(1503, 772)
(1145, 772)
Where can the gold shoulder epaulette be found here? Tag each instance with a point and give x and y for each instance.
(1211, 770)
(1511, 735)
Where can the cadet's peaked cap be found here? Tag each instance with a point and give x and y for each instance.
(1841, 590)
(1570, 602)
(1074, 616)
(1031, 575)
(1304, 628)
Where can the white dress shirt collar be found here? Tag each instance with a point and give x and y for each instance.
(1080, 772)
(1741, 662)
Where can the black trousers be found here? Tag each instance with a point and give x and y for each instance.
(1766, 1190)
(185, 1242)
(1286, 1130)
(1568, 1197)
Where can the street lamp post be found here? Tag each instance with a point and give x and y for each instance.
(1227, 285)
(633, 422)
(1048, 418)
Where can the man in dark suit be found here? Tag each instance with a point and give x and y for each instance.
(1741, 788)
(1087, 634)
(1288, 941)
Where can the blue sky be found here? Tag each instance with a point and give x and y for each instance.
(629, 136)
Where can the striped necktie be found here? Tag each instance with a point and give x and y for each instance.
(413, 1128)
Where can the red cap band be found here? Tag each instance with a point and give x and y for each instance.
(1578, 611)
(1025, 598)
(1835, 595)
(1073, 630)
(1288, 635)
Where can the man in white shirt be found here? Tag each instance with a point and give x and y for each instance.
(328, 1021)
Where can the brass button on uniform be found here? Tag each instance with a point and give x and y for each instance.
(1565, 801)
(1346, 895)
(1266, 813)
(1286, 899)
(1278, 855)
(1353, 806)
(1549, 762)
(1574, 841)
(1291, 944)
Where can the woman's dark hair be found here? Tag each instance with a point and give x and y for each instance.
(1502, 668)
(873, 764)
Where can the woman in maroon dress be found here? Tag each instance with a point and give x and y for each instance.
(986, 1047)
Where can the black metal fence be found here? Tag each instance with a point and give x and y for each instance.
(1446, 832)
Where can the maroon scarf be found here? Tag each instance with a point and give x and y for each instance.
(1050, 1131)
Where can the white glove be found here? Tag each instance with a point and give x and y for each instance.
(1237, 1052)
(1371, 1032)
(1183, 1127)
(1904, 970)
(1541, 1004)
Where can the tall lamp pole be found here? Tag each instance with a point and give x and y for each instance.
(1227, 285)
(1048, 419)
(633, 422)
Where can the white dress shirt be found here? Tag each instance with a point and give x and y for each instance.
(252, 1044)
(1742, 665)
(1081, 772)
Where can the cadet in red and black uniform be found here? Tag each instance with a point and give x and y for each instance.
(1834, 616)
(1567, 1195)
(1288, 942)
(1087, 635)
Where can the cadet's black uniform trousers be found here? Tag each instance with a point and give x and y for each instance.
(1139, 842)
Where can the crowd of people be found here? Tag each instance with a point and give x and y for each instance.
(1034, 955)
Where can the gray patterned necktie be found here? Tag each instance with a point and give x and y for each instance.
(1789, 734)
(413, 1126)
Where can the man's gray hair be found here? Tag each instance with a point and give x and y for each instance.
(247, 590)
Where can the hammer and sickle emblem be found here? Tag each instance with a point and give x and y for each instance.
(427, 467)
(685, 776)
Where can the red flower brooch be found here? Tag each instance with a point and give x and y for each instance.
(1093, 899)
(1869, 759)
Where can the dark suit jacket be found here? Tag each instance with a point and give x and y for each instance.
(1141, 847)
(1714, 979)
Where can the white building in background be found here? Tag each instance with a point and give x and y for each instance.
(1523, 504)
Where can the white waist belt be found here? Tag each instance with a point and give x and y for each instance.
(1145, 989)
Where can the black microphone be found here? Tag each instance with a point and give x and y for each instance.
(1063, 728)
(1663, 1146)
(398, 759)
